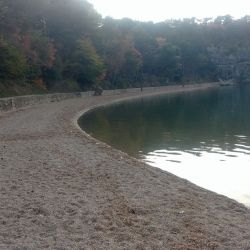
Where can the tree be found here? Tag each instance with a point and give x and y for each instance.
(131, 67)
(12, 62)
(85, 66)
(167, 62)
(69, 21)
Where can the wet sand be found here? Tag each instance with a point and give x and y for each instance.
(62, 189)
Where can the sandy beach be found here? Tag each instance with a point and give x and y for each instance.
(62, 189)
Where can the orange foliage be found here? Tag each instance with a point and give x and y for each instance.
(26, 44)
(40, 83)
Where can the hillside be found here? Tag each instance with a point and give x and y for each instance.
(56, 45)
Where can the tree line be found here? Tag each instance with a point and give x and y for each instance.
(59, 45)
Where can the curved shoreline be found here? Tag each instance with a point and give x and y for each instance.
(142, 94)
(62, 189)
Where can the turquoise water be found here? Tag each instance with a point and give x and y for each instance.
(201, 136)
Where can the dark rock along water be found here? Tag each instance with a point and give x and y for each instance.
(201, 136)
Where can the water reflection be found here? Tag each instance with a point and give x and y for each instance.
(215, 169)
(203, 137)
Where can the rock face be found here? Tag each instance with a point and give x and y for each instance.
(231, 63)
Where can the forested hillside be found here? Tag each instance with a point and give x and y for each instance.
(65, 45)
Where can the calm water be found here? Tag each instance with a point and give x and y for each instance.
(202, 136)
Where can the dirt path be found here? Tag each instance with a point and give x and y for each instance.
(60, 189)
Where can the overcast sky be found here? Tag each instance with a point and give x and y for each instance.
(160, 10)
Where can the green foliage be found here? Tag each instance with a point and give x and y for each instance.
(196, 64)
(12, 62)
(41, 54)
(132, 63)
(167, 62)
(85, 66)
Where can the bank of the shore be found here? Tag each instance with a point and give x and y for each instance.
(61, 189)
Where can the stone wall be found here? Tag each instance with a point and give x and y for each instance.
(14, 103)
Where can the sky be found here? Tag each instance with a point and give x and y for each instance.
(160, 10)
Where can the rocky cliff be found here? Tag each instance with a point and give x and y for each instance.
(231, 63)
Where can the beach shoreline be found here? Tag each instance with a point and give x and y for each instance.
(62, 189)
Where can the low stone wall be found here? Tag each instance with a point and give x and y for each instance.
(14, 103)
